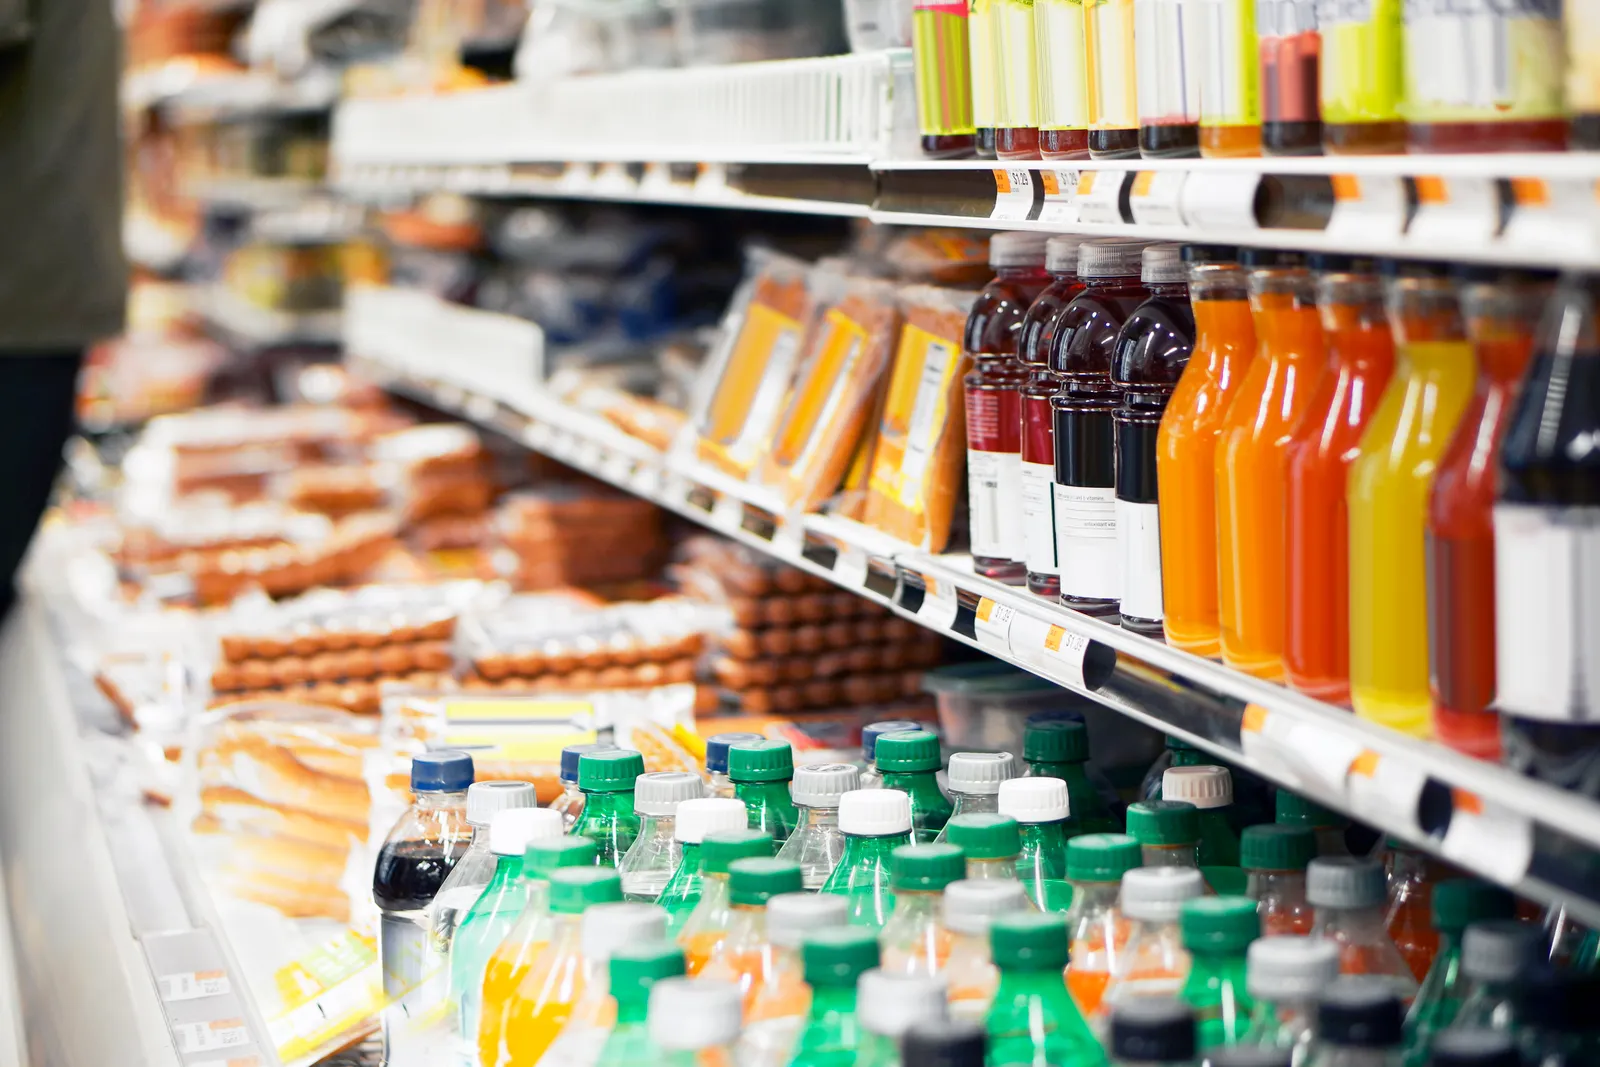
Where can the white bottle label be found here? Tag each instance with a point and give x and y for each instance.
(1086, 541)
(994, 490)
(1039, 518)
(1063, 72)
(1139, 539)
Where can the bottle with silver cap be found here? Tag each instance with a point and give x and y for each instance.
(717, 746)
(1456, 904)
(874, 822)
(1497, 957)
(871, 776)
(1350, 896)
(914, 939)
(477, 865)
(694, 1023)
(692, 821)
(777, 1003)
(1358, 1024)
(974, 781)
(1286, 975)
(570, 803)
(890, 1004)
(1040, 807)
(655, 853)
(1210, 789)
(817, 844)
(604, 929)
(1154, 963)
(970, 974)
(1152, 1032)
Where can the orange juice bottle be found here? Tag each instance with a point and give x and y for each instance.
(915, 939)
(746, 952)
(971, 977)
(1099, 932)
(1186, 452)
(1251, 466)
(1388, 502)
(606, 929)
(707, 926)
(779, 998)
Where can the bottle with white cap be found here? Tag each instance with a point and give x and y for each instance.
(655, 853)
(694, 1023)
(1497, 957)
(871, 776)
(693, 820)
(1040, 806)
(970, 974)
(817, 844)
(874, 822)
(1286, 975)
(605, 929)
(914, 939)
(890, 1004)
(1210, 789)
(570, 803)
(776, 1006)
(1155, 963)
(477, 865)
(1350, 897)
(974, 781)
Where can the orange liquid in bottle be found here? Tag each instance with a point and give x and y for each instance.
(500, 981)
(698, 949)
(740, 968)
(1088, 989)
(542, 1005)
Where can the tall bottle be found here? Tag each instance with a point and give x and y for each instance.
(1059, 748)
(943, 78)
(910, 762)
(1349, 897)
(983, 22)
(570, 803)
(1498, 956)
(761, 772)
(1583, 73)
(1362, 78)
(1457, 904)
(1291, 50)
(1217, 932)
(1286, 976)
(1113, 85)
(1155, 963)
(656, 852)
(915, 940)
(606, 779)
(1063, 86)
(1167, 42)
(889, 1005)
(1230, 80)
(1358, 1025)
(1411, 875)
(1274, 859)
(875, 822)
(1292, 809)
(476, 867)
(970, 974)
(1033, 1018)
(1081, 357)
(1016, 134)
(1168, 832)
(1152, 350)
(835, 959)
(695, 1023)
(974, 781)
(1158, 1032)
(994, 402)
(746, 953)
(1095, 923)
(1040, 808)
(633, 972)
(695, 819)
(717, 746)
(779, 998)
(816, 845)
(707, 926)
(602, 931)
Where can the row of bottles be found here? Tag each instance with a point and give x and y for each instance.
(1113, 79)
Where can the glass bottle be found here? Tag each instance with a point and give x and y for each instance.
(1497, 957)
(1154, 963)
(834, 960)
(915, 940)
(476, 867)
(634, 971)
(1292, 809)
(871, 777)
(983, 23)
(910, 763)
(1063, 86)
(761, 772)
(1362, 78)
(974, 778)
(717, 746)
(1217, 932)
(1209, 789)
(943, 67)
(994, 403)
(694, 820)
(890, 1004)
(1033, 1018)
(1095, 923)
(1287, 975)
(1349, 897)
(874, 822)
(1040, 808)
(1167, 36)
(817, 844)
(779, 997)
(1059, 748)
(746, 952)
(1290, 80)
(1113, 87)
(655, 853)
(970, 974)
(606, 779)
(1358, 1025)
(1274, 858)
(991, 844)
(1168, 832)
(1016, 134)
(695, 1023)
(602, 931)
(570, 803)
(707, 925)
(1230, 79)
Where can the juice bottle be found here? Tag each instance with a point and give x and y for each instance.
(1349, 896)
(1362, 78)
(994, 404)
(570, 803)
(1316, 651)
(983, 32)
(695, 820)
(694, 1023)
(871, 776)
(1291, 50)
(943, 78)
(970, 974)
(834, 960)
(1159, 1032)
(1583, 72)
(1154, 962)
(655, 853)
(1113, 88)
(889, 1005)
(1033, 1018)
(1186, 454)
(1095, 923)
(634, 970)
(1059, 748)
(1358, 1025)
(779, 997)
(1040, 807)
(1286, 975)
(1230, 80)
(1217, 931)
(604, 929)
(746, 952)
(1501, 320)
(1275, 859)
(991, 844)
(717, 746)
(1251, 454)
(761, 772)
(1168, 832)
(1153, 347)
(816, 845)
(1167, 78)
(875, 822)
(1063, 80)
(707, 926)
(1388, 504)
(1085, 480)
(1291, 809)
(974, 778)
(1016, 134)
(1411, 875)
(606, 779)
(910, 763)
(915, 940)
(1457, 904)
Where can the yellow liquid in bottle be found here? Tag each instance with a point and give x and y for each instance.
(539, 1010)
(508, 966)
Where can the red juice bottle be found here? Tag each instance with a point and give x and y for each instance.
(1291, 52)
(994, 404)
(1501, 320)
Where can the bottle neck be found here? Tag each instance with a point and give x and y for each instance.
(607, 805)
(917, 905)
(1168, 289)
(1184, 855)
(632, 1011)
(438, 801)
(763, 792)
(1045, 985)
(1026, 272)
(819, 818)
(1114, 281)
(911, 781)
(1277, 885)
(995, 870)
(657, 826)
(1071, 773)
(507, 870)
(871, 849)
(1358, 923)
(1094, 896)
(829, 1000)
(1037, 835)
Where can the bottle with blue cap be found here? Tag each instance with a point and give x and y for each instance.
(648, 865)
(717, 745)
(871, 775)
(570, 802)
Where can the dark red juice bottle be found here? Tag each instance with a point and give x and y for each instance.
(1291, 64)
(994, 404)
(1085, 485)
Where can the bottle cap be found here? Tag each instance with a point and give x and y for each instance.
(875, 812)
(1500, 950)
(793, 915)
(985, 837)
(608, 927)
(1292, 809)
(572, 889)
(1061, 253)
(1359, 1011)
(1473, 1047)
(980, 772)
(1291, 968)
(1055, 741)
(1277, 847)
(838, 956)
(1163, 822)
(695, 819)
(1033, 800)
(717, 746)
(753, 882)
(971, 905)
(1249, 1056)
(908, 752)
(1460, 902)
(820, 785)
(512, 830)
(1203, 786)
(542, 858)
(1210, 253)
(694, 1013)
(440, 772)
(660, 792)
(947, 1043)
(1110, 257)
(890, 1004)
(634, 969)
(1157, 894)
(1345, 882)
(486, 798)
(1028, 941)
(572, 753)
(874, 730)
(1152, 1030)
(610, 771)
(1102, 857)
(761, 761)
(1022, 249)
(926, 868)
(1162, 265)
(1218, 926)
(719, 850)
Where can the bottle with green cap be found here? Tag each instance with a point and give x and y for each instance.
(1217, 932)
(743, 953)
(890, 1004)
(1154, 1032)
(1274, 858)
(1059, 748)
(874, 822)
(1286, 975)
(1457, 904)
(871, 776)
(605, 929)
(1178, 753)
(708, 924)
(655, 852)
(606, 779)
(761, 772)
(835, 960)
(1154, 963)
(1168, 832)
(1292, 809)
(634, 971)
(991, 843)
(1210, 789)
(1033, 1019)
(717, 746)
(694, 820)
(969, 908)
(1095, 925)
(910, 762)
(914, 939)
(694, 1022)
(1042, 810)
(776, 1008)
(569, 805)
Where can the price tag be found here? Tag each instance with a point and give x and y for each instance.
(1555, 215)
(450, 397)
(590, 455)
(480, 408)
(1155, 197)
(211, 1036)
(1488, 838)
(1098, 194)
(992, 626)
(1367, 208)
(1385, 790)
(646, 480)
(939, 605)
(1220, 200)
(1014, 195)
(1266, 738)
(1063, 654)
(193, 985)
(1455, 211)
(1060, 192)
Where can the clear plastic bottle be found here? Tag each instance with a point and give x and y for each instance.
(1457, 904)
(890, 1004)
(1095, 923)
(874, 822)
(1210, 789)
(1358, 1025)
(604, 929)
(1155, 1032)
(1178, 753)
(910, 762)
(1113, 86)
(1016, 135)
(1274, 858)
(1286, 976)
(476, 866)
(974, 778)
(991, 843)
(835, 960)
(1475, 1048)
(1291, 809)
(1032, 1018)
(1350, 896)
(1217, 932)
(634, 972)
(708, 924)
(952, 1043)
(570, 803)
(1155, 963)
(970, 974)
(779, 999)
(655, 853)
(915, 940)
(1168, 832)
(606, 779)
(717, 745)
(1362, 75)
(746, 953)
(1059, 748)
(871, 776)
(761, 772)
(1167, 39)
(1411, 875)
(694, 1023)
(1040, 807)
(1497, 957)
(693, 821)
(817, 844)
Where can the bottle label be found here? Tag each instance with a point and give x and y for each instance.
(1167, 71)
(1063, 88)
(943, 61)
(1108, 49)
(1230, 73)
(994, 489)
(1086, 541)
(1139, 538)
(1039, 518)
(1018, 76)
(1362, 64)
(982, 43)
(1483, 60)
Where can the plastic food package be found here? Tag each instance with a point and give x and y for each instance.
(576, 534)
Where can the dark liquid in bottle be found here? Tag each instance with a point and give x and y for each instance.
(1038, 421)
(1064, 144)
(1515, 135)
(985, 142)
(1291, 110)
(408, 874)
(1585, 133)
(1169, 142)
(1016, 142)
(1114, 144)
(949, 145)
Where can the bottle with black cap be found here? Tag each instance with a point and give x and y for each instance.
(1474, 1047)
(1358, 1024)
(1152, 1032)
(1559, 1024)
(944, 1043)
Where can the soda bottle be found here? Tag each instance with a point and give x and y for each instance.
(1178, 753)
(1291, 809)
(1457, 904)
(694, 1023)
(634, 972)
(974, 778)
(910, 762)
(1210, 789)
(1474, 1048)
(708, 924)
(779, 999)
(991, 843)
(1274, 858)
(1032, 1018)
(1410, 875)
(874, 822)
(602, 931)
(1095, 924)
(570, 803)
(1154, 963)
(655, 853)
(1039, 806)
(970, 974)
(717, 746)
(1286, 975)
(1358, 1024)
(761, 772)
(1059, 748)
(1497, 957)
(746, 952)
(871, 776)
(1217, 932)
(1168, 832)
(952, 1043)
(606, 779)
(695, 819)
(915, 940)
(1349, 896)
(1155, 1032)
(817, 844)
(888, 1006)
(473, 871)
(835, 959)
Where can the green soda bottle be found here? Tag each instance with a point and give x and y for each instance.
(706, 927)
(915, 939)
(606, 781)
(1178, 753)
(1210, 789)
(834, 961)
(694, 1022)
(634, 972)
(1291, 809)
(874, 822)
(695, 819)
(1059, 748)
(1457, 904)
(761, 772)
(1041, 807)
(992, 844)
(1168, 832)
(910, 762)
(1217, 932)
(890, 1004)
(1033, 1019)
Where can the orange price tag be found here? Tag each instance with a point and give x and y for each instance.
(1346, 187)
(1052, 184)
(1432, 189)
(1366, 764)
(1255, 718)
(1002, 183)
(1143, 181)
(1530, 192)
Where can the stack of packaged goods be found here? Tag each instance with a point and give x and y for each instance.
(576, 534)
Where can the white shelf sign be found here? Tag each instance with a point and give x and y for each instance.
(1013, 194)
(1367, 208)
(1060, 192)
(193, 985)
(1097, 196)
(1385, 790)
(1488, 838)
(1155, 197)
(1051, 648)
(939, 605)
(992, 626)
(1455, 211)
(211, 1036)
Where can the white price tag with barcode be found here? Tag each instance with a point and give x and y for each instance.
(1455, 211)
(192, 985)
(992, 626)
(1488, 838)
(1367, 207)
(1060, 192)
(939, 605)
(211, 1036)
(1013, 194)
(1154, 199)
(1098, 196)
(1049, 647)
(850, 567)
(1385, 790)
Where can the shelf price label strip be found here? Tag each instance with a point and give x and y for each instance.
(1018, 195)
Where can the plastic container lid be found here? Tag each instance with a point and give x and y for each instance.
(542, 858)
(947, 1043)
(1035, 800)
(754, 882)
(980, 773)
(1359, 1011)
(696, 818)
(512, 830)
(609, 927)
(719, 850)
(926, 868)
(1218, 926)
(660, 792)
(1028, 941)
(761, 761)
(971, 905)
(1460, 902)
(1102, 857)
(1345, 882)
(1061, 253)
(572, 753)
(1152, 1030)
(717, 746)
(634, 969)
(908, 752)
(572, 889)
(1110, 257)
(1020, 249)
(874, 730)
(1055, 741)
(890, 1004)
(1292, 809)
(984, 836)
(793, 915)
(440, 772)
(694, 1013)
(1205, 786)
(875, 812)
(1291, 968)
(1163, 822)
(1157, 894)
(1500, 950)
(609, 771)
(1473, 1047)
(820, 785)
(1162, 265)
(838, 956)
(1277, 847)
